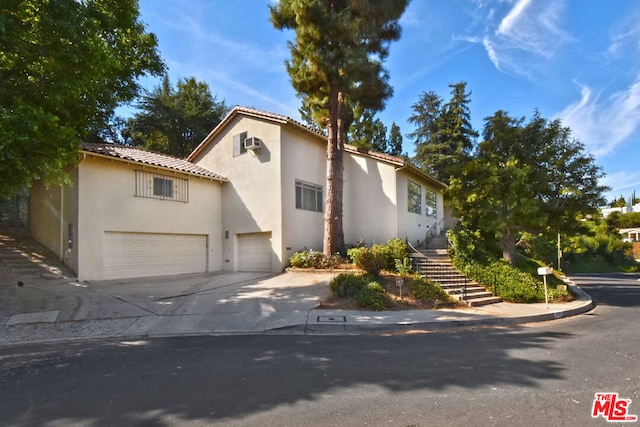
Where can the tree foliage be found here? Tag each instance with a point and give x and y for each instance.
(395, 140)
(367, 131)
(174, 120)
(617, 220)
(64, 66)
(336, 61)
(526, 177)
(444, 137)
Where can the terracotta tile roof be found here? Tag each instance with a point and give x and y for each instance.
(139, 155)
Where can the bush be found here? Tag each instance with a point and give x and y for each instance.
(372, 296)
(307, 259)
(506, 281)
(395, 249)
(346, 285)
(314, 259)
(427, 290)
(372, 260)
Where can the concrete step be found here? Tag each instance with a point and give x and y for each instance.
(435, 264)
(478, 302)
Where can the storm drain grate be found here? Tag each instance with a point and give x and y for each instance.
(332, 319)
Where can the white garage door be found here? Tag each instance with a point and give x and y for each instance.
(151, 254)
(254, 252)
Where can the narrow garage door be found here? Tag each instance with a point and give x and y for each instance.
(254, 252)
(153, 254)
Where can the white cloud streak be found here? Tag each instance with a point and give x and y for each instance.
(604, 124)
(530, 33)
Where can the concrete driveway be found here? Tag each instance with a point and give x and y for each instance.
(220, 302)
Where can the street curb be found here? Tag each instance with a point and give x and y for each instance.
(123, 328)
(588, 305)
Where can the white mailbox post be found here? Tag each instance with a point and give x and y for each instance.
(544, 272)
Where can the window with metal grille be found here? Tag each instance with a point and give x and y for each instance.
(157, 186)
(308, 196)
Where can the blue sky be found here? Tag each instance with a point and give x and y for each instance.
(577, 60)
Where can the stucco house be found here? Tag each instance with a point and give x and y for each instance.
(131, 213)
(248, 197)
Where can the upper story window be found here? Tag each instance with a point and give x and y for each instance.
(431, 203)
(308, 196)
(414, 199)
(157, 186)
(238, 144)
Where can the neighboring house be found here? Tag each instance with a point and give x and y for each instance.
(131, 213)
(622, 210)
(134, 213)
(274, 201)
(632, 234)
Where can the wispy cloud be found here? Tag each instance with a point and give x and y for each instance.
(529, 33)
(621, 183)
(204, 39)
(604, 124)
(625, 35)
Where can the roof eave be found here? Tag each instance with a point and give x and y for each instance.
(151, 165)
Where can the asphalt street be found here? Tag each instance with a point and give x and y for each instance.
(540, 374)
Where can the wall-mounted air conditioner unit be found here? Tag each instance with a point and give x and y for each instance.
(252, 143)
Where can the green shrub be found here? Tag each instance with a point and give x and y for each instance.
(395, 249)
(504, 280)
(372, 296)
(376, 287)
(314, 259)
(307, 259)
(346, 285)
(372, 260)
(403, 267)
(427, 290)
(354, 253)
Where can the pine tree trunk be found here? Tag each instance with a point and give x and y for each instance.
(333, 232)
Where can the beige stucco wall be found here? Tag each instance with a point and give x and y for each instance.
(303, 158)
(251, 198)
(107, 202)
(52, 212)
(412, 226)
(260, 194)
(369, 200)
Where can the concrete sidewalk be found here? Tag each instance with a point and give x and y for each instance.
(224, 303)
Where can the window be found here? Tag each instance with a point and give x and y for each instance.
(163, 188)
(414, 200)
(431, 203)
(238, 144)
(156, 186)
(308, 196)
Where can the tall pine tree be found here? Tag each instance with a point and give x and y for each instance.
(336, 61)
(444, 137)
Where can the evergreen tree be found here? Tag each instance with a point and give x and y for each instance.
(395, 140)
(175, 120)
(336, 61)
(444, 137)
